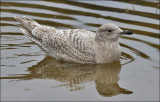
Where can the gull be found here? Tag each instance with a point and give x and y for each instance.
(75, 45)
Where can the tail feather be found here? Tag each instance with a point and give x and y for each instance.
(27, 23)
(24, 24)
(27, 26)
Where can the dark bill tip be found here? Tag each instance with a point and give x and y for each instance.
(126, 32)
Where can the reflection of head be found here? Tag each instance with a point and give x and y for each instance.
(111, 90)
(107, 77)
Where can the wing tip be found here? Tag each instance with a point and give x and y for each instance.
(16, 18)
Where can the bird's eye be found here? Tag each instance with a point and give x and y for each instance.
(109, 30)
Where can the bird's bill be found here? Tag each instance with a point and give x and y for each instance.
(126, 32)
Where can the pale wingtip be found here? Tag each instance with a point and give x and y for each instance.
(27, 18)
(16, 17)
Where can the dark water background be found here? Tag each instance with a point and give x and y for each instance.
(27, 74)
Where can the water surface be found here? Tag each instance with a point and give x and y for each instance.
(27, 74)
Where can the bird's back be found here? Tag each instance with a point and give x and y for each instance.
(75, 45)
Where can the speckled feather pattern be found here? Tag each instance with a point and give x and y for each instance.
(68, 45)
(73, 45)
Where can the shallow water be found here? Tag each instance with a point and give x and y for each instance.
(27, 74)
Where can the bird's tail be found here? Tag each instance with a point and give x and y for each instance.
(27, 25)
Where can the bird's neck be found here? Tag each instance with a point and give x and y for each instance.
(107, 43)
(102, 40)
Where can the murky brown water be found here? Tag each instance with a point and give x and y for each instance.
(27, 74)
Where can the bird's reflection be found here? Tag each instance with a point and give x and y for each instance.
(105, 76)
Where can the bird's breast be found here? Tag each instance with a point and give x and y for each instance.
(106, 53)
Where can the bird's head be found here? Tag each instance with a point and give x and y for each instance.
(110, 32)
